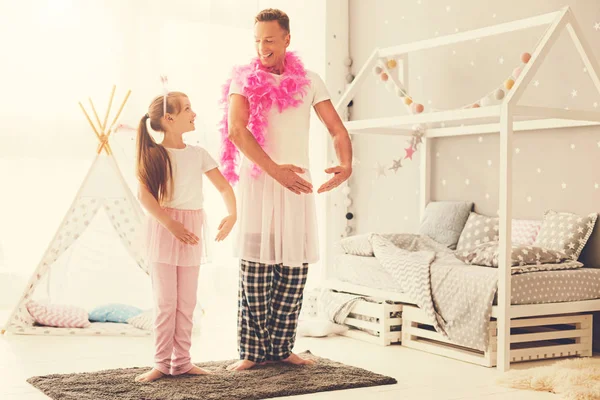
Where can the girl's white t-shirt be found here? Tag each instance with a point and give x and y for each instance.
(189, 165)
(287, 132)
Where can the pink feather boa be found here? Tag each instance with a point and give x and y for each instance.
(260, 88)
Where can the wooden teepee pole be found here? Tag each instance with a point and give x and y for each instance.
(118, 113)
(104, 132)
(112, 95)
(98, 135)
(95, 114)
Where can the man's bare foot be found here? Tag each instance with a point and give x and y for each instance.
(198, 371)
(149, 376)
(241, 365)
(297, 360)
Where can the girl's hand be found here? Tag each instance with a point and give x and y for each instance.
(221, 184)
(179, 231)
(225, 227)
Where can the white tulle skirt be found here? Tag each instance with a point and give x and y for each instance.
(275, 225)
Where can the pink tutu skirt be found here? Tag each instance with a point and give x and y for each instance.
(163, 247)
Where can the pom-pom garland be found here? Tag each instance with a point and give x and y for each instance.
(382, 71)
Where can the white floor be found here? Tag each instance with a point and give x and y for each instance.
(420, 375)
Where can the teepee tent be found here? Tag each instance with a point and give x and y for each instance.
(104, 221)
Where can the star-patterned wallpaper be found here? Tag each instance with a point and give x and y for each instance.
(558, 169)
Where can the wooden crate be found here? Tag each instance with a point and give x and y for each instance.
(375, 322)
(532, 338)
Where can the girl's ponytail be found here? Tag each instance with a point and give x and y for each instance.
(153, 164)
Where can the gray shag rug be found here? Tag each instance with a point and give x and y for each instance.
(261, 382)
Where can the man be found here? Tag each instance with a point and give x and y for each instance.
(267, 119)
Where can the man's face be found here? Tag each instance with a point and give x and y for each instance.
(271, 43)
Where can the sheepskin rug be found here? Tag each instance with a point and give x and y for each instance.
(573, 379)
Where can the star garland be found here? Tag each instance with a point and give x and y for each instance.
(384, 71)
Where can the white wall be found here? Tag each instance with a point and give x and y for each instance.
(452, 76)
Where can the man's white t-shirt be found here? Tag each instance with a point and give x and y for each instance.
(287, 132)
(189, 165)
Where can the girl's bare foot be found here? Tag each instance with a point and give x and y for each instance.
(198, 371)
(149, 376)
(297, 360)
(241, 365)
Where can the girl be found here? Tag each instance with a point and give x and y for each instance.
(170, 176)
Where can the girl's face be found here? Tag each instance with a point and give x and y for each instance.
(183, 121)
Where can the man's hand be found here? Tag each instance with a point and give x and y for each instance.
(341, 174)
(287, 176)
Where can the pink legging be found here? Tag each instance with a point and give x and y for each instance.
(175, 299)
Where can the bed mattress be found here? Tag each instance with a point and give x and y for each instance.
(528, 288)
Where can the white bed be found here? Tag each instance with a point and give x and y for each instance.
(528, 288)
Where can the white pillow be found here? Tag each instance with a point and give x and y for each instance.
(145, 321)
(357, 245)
(319, 328)
(525, 231)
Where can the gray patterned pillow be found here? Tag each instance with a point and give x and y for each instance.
(444, 221)
(487, 255)
(565, 232)
(479, 229)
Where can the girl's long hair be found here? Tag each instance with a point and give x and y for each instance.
(153, 165)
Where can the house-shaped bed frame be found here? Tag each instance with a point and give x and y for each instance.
(506, 118)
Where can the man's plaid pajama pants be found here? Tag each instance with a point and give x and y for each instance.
(269, 302)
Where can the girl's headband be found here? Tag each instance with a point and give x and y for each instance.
(165, 82)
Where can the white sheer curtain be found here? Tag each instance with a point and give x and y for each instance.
(56, 52)
(59, 52)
